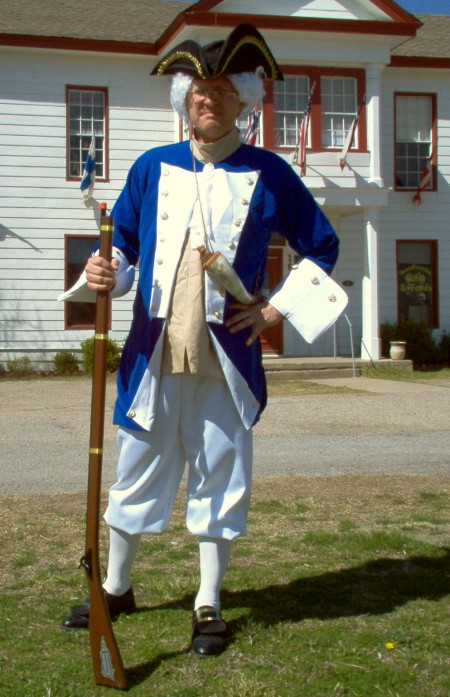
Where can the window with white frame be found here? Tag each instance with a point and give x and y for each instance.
(86, 119)
(339, 105)
(413, 138)
(336, 96)
(289, 101)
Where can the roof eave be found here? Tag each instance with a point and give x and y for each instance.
(72, 44)
(419, 62)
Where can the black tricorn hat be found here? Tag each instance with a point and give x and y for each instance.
(245, 50)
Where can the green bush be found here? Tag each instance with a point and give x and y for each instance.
(19, 366)
(444, 349)
(113, 351)
(388, 333)
(421, 347)
(65, 362)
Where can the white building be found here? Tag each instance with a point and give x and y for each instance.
(73, 69)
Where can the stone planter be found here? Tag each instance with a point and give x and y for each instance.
(397, 350)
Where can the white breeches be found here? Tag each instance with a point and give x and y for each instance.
(196, 423)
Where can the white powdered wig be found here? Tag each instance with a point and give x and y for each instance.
(250, 88)
(248, 85)
(178, 91)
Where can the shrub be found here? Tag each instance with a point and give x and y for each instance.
(113, 351)
(444, 349)
(388, 333)
(19, 366)
(65, 362)
(421, 346)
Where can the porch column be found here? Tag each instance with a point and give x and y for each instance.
(373, 104)
(370, 344)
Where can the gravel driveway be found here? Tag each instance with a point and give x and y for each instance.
(380, 426)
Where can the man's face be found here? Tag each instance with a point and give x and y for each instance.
(213, 107)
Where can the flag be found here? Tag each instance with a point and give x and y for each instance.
(299, 155)
(88, 178)
(252, 127)
(350, 135)
(424, 180)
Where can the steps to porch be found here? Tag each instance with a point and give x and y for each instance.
(279, 368)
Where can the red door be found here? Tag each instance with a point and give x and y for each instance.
(272, 339)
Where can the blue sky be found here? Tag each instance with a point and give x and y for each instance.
(424, 7)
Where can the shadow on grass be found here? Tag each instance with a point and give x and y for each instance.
(377, 587)
(140, 673)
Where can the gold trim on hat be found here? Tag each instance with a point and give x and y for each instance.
(262, 47)
(181, 54)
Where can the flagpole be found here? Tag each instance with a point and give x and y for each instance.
(88, 178)
(251, 132)
(299, 155)
(342, 157)
(425, 179)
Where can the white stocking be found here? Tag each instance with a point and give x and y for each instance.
(214, 556)
(122, 550)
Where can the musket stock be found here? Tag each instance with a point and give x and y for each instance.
(106, 658)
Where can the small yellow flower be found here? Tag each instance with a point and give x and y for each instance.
(390, 646)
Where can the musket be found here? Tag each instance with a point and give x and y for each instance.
(106, 658)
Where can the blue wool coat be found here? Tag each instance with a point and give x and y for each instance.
(249, 195)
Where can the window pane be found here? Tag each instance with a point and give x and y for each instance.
(79, 250)
(290, 99)
(413, 132)
(339, 106)
(87, 119)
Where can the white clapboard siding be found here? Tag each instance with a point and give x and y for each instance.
(38, 206)
(402, 219)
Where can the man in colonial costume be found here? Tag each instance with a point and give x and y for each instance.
(191, 383)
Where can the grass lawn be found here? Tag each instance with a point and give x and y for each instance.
(341, 588)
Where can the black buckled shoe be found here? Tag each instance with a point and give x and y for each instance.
(117, 605)
(209, 632)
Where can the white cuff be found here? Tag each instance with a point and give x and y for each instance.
(80, 293)
(309, 299)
